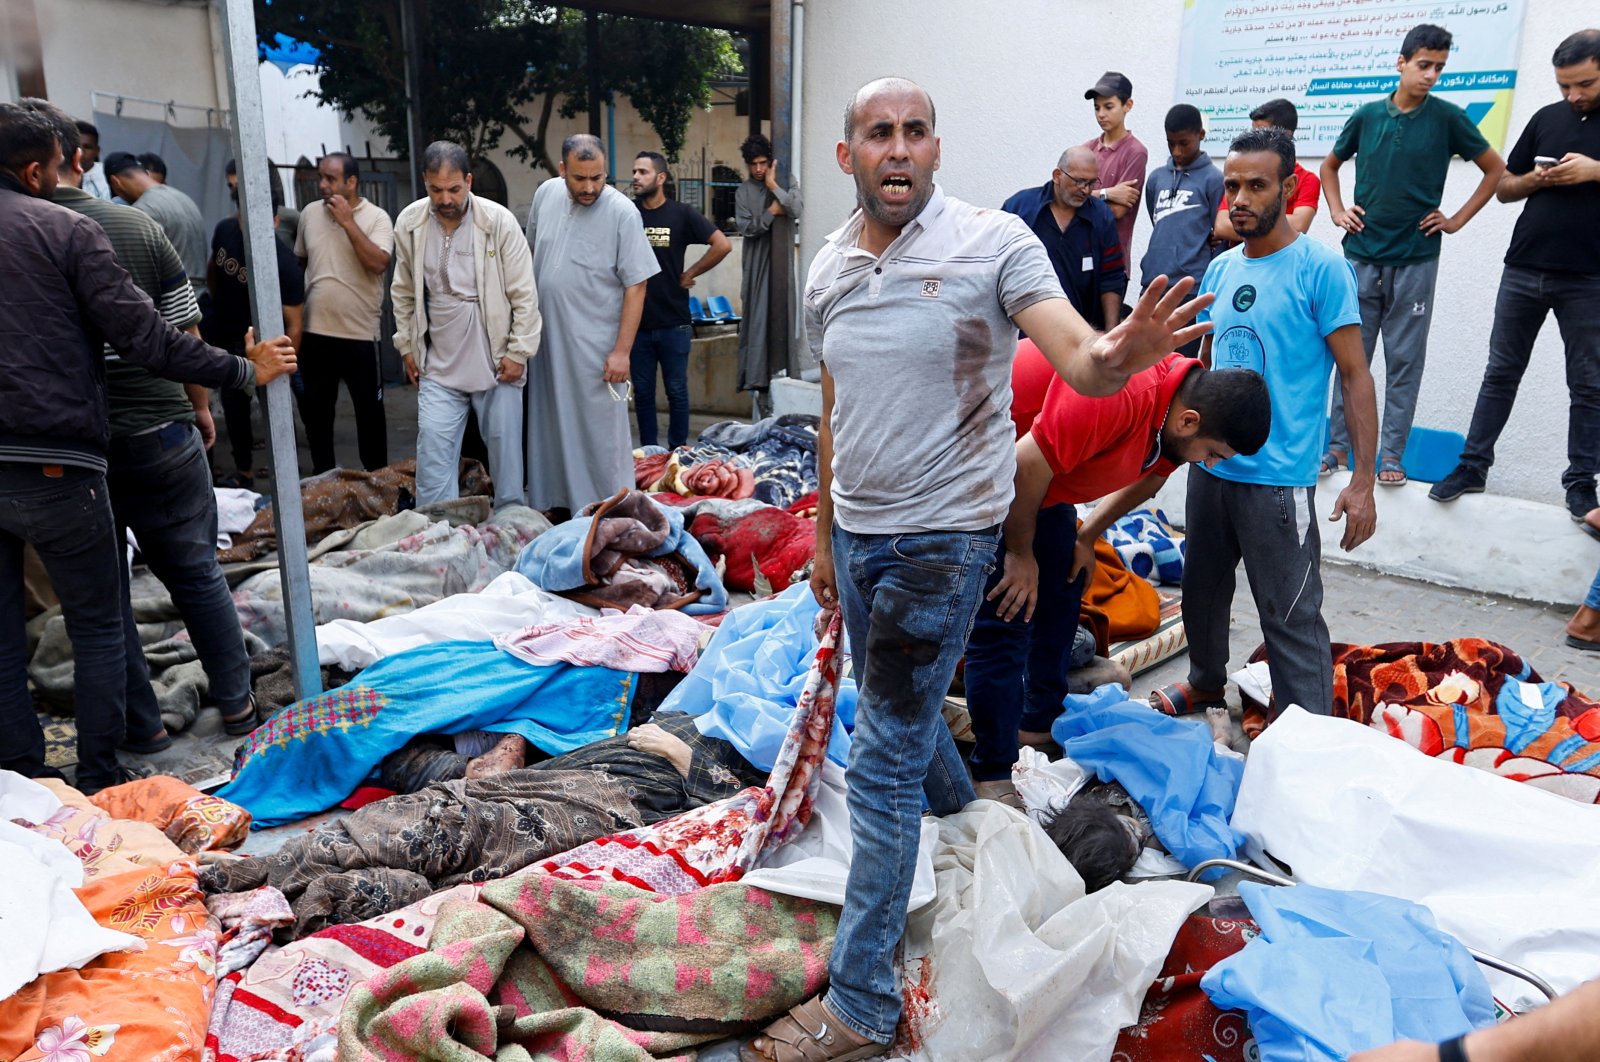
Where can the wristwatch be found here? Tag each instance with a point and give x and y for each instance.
(1101, 192)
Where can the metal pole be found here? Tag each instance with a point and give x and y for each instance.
(416, 138)
(255, 211)
(780, 325)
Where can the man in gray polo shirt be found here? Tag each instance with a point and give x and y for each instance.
(912, 309)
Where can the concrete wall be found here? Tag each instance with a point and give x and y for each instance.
(1009, 88)
(158, 50)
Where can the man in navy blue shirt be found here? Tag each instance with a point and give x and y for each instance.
(1080, 234)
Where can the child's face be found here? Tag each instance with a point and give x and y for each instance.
(1184, 146)
(1110, 112)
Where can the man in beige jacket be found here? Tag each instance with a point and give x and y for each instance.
(466, 321)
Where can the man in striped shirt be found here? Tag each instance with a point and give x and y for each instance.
(159, 475)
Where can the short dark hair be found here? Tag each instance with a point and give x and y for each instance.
(1426, 38)
(755, 146)
(66, 128)
(1185, 118)
(446, 153)
(1281, 113)
(347, 163)
(153, 163)
(1252, 141)
(1585, 44)
(1233, 404)
(274, 184)
(585, 147)
(26, 137)
(657, 159)
(1094, 840)
(86, 128)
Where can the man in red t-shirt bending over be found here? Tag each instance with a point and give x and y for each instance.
(1072, 450)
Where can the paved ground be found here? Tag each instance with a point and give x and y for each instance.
(1360, 606)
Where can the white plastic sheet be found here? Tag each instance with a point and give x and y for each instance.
(814, 865)
(1505, 867)
(1013, 962)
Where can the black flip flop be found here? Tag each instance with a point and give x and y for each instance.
(1583, 645)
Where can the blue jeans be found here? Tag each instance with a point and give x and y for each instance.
(161, 490)
(1593, 600)
(67, 519)
(908, 603)
(669, 348)
(1016, 672)
(1526, 298)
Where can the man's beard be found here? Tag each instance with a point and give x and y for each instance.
(1265, 221)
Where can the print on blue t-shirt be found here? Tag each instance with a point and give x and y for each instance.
(1273, 315)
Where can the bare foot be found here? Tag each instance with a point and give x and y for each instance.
(656, 741)
(508, 754)
(1221, 725)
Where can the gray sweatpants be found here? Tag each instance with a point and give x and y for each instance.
(1396, 302)
(1274, 531)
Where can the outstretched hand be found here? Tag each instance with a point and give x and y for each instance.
(1158, 325)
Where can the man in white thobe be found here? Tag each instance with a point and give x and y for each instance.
(590, 261)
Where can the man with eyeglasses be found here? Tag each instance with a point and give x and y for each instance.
(1080, 234)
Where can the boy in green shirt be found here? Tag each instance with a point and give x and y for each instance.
(1393, 227)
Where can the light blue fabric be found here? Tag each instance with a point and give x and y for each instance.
(748, 680)
(1173, 769)
(1273, 315)
(315, 752)
(1333, 973)
(554, 560)
(1526, 723)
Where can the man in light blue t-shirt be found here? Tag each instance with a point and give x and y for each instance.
(1286, 306)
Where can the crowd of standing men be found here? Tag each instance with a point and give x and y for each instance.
(943, 451)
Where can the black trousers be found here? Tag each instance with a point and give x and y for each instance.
(324, 362)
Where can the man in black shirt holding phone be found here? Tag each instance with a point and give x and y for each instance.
(1553, 263)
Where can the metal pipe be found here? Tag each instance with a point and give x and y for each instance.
(415, 136)
(123, 97)
(797, 18)
(260, 246)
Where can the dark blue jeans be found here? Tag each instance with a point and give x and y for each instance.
(1526, 298)
(908, 603)
(1016, 673)
(66, 517)
(668, 348)
(161, 490)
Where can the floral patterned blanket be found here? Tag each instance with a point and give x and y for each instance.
(140, 1006)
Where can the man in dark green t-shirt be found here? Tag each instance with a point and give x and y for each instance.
(160, 478)
(1393, 227)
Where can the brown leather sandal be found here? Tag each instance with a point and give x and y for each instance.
(810, 1033)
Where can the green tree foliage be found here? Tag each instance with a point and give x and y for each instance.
(497, 67)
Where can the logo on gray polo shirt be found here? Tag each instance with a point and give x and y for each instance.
(930, 288)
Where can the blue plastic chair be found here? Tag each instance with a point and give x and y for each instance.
(697, 312)
(722, 310)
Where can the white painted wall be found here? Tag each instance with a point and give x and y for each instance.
(161, 51)
(1009, 87)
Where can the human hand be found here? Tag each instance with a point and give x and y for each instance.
(771, 180)
(1083, 560)
(1125, 195)
(511, 370)
(339, 209)
(207, 426)
(776, 210)
(1350, 219)
(824, 587)
(411, 370)
(617, 368)
(1158, 325)
(1408, 1051)
(686, 281)
(1436, 222)
(1017, 592)
(271, 357)
(1572, 169)
(656, 741)
(1360, 512)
